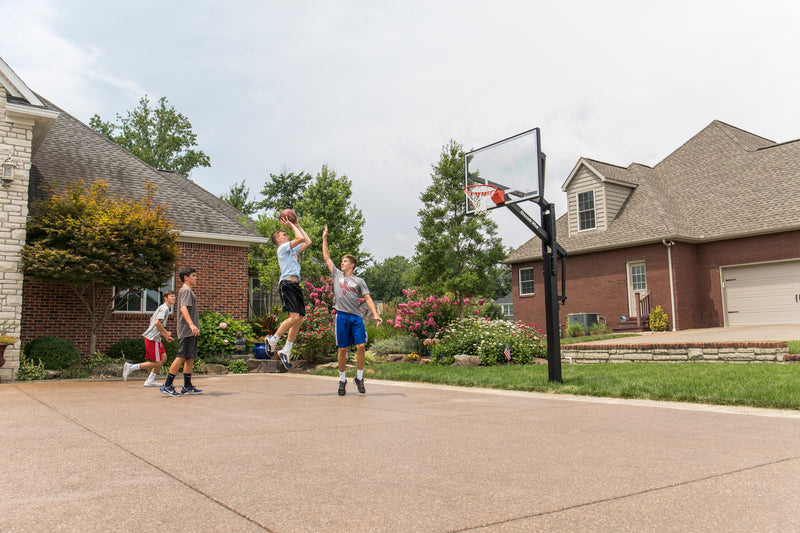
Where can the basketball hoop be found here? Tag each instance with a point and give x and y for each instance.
(480, 194)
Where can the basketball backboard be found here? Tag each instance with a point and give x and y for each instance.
(513, 165)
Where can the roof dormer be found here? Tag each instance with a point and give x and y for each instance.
(596, 192)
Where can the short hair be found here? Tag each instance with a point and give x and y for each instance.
(274, 236)
(185, 271)
(166, 293)
(352, 259)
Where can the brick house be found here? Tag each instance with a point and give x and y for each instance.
(43, 144)
(711, 234)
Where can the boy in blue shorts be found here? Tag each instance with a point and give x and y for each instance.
(347, 292)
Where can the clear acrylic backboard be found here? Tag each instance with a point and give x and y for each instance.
(513, 165)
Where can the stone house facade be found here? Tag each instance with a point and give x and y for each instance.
(710, 234)
(45, 146)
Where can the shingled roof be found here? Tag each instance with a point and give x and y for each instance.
(73, 151)
(723, 183)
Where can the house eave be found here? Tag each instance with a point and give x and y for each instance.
(656, 240)
(41, 119)
(216, 238)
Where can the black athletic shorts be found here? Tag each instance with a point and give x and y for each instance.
(187, 347)
(292, 297)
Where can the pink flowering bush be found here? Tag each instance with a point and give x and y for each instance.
(316, 339)
(424, 316)
(217, 333)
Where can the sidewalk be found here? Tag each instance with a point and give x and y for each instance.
(729, 334)
(284, 453)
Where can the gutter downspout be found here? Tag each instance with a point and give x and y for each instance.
(669, 246)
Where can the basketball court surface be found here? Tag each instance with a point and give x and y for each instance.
(284, 453)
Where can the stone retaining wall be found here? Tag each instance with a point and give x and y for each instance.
(731, 352)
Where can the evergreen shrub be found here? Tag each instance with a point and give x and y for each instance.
(54, 353)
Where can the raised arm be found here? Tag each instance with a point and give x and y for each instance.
(325, 253)
(300, 238)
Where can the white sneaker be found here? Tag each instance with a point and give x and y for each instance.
(273, 343)
(126, 369)
(152, 383)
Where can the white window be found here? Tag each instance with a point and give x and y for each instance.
(638, 278)
(259, 301)
(142, 300)
(508, 310)
(526, 280)
(586, 215)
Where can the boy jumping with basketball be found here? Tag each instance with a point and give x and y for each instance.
(347, 290)
(289, 286)
(153, 347)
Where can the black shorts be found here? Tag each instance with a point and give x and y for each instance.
(187, 347)
(292, 297)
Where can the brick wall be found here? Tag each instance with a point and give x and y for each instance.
(53, 309)
(16, 136)
(597, 283)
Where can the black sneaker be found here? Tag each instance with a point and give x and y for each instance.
(360, 385)
(285, 360)
(170, 390)
(191, 390)
(342, 385)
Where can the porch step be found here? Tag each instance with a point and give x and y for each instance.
(630, 327)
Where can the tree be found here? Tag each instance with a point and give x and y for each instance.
(500, 278)
(456, 253)
(327, 201)
(238, 197)
(95, 242)
(386, 280)
(160, 137)
(284, 190)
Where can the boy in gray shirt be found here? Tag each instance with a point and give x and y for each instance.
(347, 292)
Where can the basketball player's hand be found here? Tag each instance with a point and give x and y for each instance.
(325, 233)
(379, 320)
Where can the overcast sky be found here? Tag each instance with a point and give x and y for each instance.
(375, 89)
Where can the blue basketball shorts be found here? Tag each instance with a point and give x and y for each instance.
(350, 330)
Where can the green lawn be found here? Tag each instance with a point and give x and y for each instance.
(771, 385)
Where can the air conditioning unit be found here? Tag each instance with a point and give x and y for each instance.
(586, 320)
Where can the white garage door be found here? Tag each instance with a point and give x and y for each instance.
(766, 294)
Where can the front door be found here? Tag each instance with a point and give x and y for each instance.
(637, 284)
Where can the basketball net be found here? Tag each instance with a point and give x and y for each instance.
(479, 196)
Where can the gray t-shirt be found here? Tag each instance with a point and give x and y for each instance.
(346, 292)
(153, 333)
(187, 299)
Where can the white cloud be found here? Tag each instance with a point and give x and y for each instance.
(376, 89)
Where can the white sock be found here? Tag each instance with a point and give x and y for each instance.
(152, 376)
(360, 374)
(342, 376)
(135, 367)
(288, 347)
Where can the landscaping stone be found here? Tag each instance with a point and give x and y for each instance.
(466, 360)
(213, 368)
(395, 357)
(264, 366)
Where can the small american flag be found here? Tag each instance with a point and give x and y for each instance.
(507, 352)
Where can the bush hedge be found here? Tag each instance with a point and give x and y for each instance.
(54, 353)
(488, 339)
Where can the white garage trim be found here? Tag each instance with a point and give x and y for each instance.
(760, 294)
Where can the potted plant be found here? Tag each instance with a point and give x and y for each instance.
(5, 340)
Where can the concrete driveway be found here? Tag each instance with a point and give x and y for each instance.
(284, 453)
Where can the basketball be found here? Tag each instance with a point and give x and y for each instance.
(290, 214)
